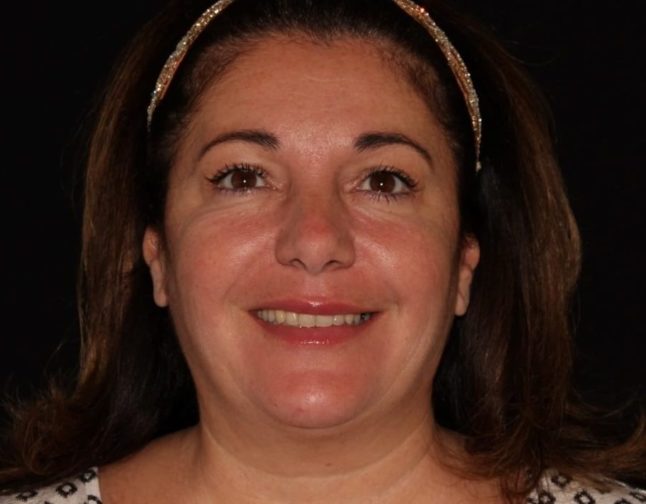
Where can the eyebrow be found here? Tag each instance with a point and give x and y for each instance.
(364, 142)
(375, 140)
(258, 137)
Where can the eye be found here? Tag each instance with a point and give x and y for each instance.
(239, 178)
(385, 181)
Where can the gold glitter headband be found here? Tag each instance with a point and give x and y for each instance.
(418, 13)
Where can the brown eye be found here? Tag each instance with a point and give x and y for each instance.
(386, 182)
(383, 181)
(240, 179)
(243, 179)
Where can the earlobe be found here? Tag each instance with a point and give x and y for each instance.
(469, 258)
(154, 257)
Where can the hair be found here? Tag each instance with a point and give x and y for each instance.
(504, 379)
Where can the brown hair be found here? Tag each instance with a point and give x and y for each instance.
(504, 379)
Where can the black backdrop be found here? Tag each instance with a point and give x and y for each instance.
(587, 57)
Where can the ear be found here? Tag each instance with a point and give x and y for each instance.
(155, 259)
(469, 257)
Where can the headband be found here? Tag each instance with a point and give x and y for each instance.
(418, 13)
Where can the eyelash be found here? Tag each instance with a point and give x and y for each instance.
(218, 177)
(410, 183)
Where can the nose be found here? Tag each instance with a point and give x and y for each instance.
(315, 234)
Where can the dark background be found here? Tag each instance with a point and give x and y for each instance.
(587, 57)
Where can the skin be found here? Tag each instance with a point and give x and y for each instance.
(281, 422)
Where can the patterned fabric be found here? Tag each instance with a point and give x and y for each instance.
(555, 488)
(84, 489)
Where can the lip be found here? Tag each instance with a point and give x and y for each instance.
(313, 337)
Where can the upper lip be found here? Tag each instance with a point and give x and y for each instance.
(314, 306)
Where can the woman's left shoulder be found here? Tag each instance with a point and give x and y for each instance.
(558, 488)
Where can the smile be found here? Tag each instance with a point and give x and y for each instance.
(293, 319)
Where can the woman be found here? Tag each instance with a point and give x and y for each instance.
(329, 260)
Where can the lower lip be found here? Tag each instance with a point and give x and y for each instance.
(315, 336)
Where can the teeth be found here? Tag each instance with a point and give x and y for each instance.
(308, 320)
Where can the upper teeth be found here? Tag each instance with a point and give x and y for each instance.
(308, 320)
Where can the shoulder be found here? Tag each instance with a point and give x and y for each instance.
(82, 489)
(558, 488)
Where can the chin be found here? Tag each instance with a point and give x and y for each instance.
(315, 400)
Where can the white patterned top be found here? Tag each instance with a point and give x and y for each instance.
(83, 489)
(555, 488)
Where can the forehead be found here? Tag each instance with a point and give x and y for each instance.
(292, 85)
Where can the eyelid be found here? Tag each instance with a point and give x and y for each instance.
(229, 169)
(404, 178)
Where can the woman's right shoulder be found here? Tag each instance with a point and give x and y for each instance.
(82, 489)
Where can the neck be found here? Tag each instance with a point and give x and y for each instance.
(392, 461)
(396, 460)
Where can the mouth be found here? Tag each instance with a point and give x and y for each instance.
(308, 320)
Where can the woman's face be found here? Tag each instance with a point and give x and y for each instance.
(311, 258)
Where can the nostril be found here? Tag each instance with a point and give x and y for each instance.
(315, 239)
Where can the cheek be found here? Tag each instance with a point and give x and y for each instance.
(210, 247)
(415, 254)
(414, 261)
(211, 257)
